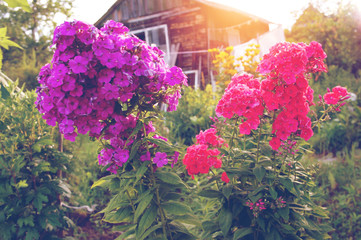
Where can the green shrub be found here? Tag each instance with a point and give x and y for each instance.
(338, 187)
(193, 114)
(342, 132)
(85, 172)
(30, 161)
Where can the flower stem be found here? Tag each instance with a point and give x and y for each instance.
(161, 211)
(258, 142)
(231, 143)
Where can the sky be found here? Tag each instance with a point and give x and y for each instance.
(284, 12)
(277, 11)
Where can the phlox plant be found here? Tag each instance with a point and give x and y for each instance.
(253, 150)
(109, 84)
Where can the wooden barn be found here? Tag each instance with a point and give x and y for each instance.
(186, 29)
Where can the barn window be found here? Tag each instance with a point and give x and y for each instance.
(193, 79)
(156, 35)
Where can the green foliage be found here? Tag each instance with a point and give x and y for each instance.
(338, 188)
(85, 171)
(5, 43)
(19, 3)
(193, 114)
(32, 31)
(149, 207)
(343, 131)
(256, 173)
(148, 202)
(29, 186)
(338, 32)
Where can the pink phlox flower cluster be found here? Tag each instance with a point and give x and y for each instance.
(94, 73)
(337, 95)
(316, 57)
(256, 207)
(209, 137)
(204, 154)
(225, 177)
(286, 89)
(242, 98)
(287, 147)
(280, 202)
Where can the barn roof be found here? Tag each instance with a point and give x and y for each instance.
(204, 2)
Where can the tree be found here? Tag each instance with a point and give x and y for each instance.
(339, 32)
(31, 30)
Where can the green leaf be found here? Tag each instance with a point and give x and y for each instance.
(121, 215)
(287, 229)
(227, 190)
(170, 177)
(288, 184)
(172, 196)
(32, 234)
(273, 193)
(22, 184)
(149, 231)
(188, 219)
(274, 235)
(210, 227)
(103, 181)
(143, 205)
(38, 201)
(134, 149)
(117, 201)
(140, 173)
(19, 3)
(6, 43)
(176, 208)
(259, 172)
(241, 232)
(209, 193)
(135, 131)
(319, 212)
(284, 212)
(124, 227)
(147, 219)
(127, 233)
(165, 146)
(4, 92)
(225, 221)
(239, 171)
(42, 142)
(1, 59)
(26, 221)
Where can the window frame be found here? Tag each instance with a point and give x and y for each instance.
(146, 34)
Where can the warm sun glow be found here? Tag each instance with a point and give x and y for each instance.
(282, 12)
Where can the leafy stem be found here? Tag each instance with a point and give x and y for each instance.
(258, 142)
(130, 200)
(153, 182)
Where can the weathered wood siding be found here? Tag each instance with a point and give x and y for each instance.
(192, 25)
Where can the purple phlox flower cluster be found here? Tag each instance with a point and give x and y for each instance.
(96, 78)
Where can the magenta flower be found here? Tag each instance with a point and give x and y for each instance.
(68, 84)
(94, 77)
(66, 126)
(145, 157)
(121, 156)
(160, 159)
(78, 64)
